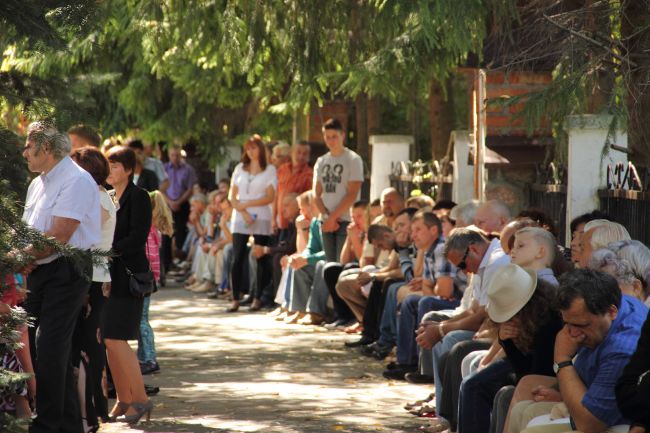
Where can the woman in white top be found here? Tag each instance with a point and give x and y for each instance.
(95, 163)
(252, 191)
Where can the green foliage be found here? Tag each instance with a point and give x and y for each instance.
(197, 70)
(13, 175)
(598, 67)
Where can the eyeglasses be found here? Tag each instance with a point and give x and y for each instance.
(462, 265)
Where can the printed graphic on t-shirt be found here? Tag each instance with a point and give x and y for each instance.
(332, 177)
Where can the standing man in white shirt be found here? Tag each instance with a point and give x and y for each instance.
(62, 203)
(338, 176)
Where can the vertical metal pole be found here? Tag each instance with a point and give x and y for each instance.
(482, 132)
(477, 186)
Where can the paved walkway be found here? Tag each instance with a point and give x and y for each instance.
(249, 373)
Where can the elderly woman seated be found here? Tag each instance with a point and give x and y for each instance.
(629, 263)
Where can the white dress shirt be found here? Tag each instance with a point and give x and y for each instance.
(493, 259)
(67, 191)
(101, 271)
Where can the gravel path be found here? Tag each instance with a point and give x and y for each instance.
(246, 372)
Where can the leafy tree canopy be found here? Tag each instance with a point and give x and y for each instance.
(204, 70)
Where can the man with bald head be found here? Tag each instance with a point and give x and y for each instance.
(392, 203)
(492, 216)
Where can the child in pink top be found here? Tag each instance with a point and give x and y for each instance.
(161, 222)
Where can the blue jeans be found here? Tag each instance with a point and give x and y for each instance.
(333, 241)
(227, 264)
(477, 393)
(388, 324)
(317, 302)
(410, 315)
(287, 291)
(441, 347)
(146, 343)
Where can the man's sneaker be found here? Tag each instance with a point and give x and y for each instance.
(204, 287)
(418, 378)
(149, 367)
(376, 350)
(399, 372)
(392, 365)
(150, 389)
(339, 323)
(363, 341)
(382, 351)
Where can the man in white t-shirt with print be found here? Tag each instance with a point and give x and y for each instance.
(338, 176)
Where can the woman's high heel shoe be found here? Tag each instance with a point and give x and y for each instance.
(140, 410)
(119, 410)
(233, 308)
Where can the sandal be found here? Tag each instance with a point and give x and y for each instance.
(425, 410)
(409, 406)
(437, 427)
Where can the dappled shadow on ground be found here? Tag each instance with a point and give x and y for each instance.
(249, 373)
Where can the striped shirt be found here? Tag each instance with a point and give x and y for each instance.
(153, 250)
(406, 257)
(436, 264)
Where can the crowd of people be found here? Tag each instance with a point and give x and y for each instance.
(510, 330)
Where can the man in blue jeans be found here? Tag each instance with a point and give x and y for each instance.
(338, 176)
(436, 283)
(468, 250)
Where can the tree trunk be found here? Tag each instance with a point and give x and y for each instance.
(635, 16)
(597, 20)
(356, 37)
(440, 118)
(361, 115)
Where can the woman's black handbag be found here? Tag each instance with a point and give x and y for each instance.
(141, 284)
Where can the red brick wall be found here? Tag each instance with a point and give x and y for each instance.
(318, 116)
(501, 120)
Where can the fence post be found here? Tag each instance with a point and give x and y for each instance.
(588, 160)
(232, 152)
(386, 150)
(463, 173)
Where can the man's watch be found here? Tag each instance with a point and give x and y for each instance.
(324, 216)
(558, 365)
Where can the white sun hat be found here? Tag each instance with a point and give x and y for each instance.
(509, 289)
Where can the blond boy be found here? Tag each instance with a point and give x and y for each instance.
(535, 248)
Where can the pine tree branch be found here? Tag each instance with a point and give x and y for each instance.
(591, 40)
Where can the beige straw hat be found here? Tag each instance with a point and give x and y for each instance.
(510, 288)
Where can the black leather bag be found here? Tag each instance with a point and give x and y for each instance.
(141, 284)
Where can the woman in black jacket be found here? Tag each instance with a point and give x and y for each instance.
(122, 313)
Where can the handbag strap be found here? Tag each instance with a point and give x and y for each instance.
(146, 247)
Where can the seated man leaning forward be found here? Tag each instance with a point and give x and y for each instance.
(601, 330)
